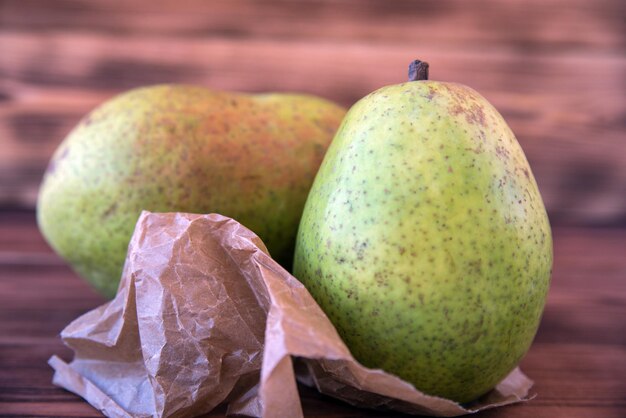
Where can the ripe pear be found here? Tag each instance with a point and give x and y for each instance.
(182, 148)
(425, 239)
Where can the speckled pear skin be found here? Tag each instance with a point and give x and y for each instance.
(425, 239)
(182, 148)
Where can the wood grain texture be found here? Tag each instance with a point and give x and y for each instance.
(555, 69)
(578, 359)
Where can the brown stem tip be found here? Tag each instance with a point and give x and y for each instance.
(418, 70)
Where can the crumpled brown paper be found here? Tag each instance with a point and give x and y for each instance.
(204, 316)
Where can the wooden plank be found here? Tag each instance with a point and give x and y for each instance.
(522, 25)
(573, 137)
(558, 81)
(19, 236)
(47, 409)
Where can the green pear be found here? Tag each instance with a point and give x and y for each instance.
(425, 239)
(182, 148)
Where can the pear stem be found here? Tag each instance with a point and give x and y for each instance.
(418, 70)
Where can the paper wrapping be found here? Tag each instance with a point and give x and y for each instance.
(204, 316)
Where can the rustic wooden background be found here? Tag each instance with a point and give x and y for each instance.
(556, 69)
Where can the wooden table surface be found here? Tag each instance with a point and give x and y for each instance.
(578, 360)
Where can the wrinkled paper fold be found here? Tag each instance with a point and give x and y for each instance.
(204, 316)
